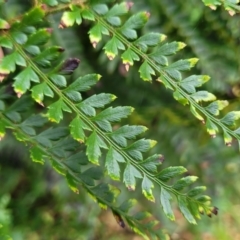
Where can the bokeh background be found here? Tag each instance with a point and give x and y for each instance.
(36, 203)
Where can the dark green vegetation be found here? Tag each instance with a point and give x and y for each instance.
(71, 101)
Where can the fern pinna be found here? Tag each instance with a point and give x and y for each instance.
(92, 123)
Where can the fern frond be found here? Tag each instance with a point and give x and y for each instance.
(92, 122)
(155, 62)
(67, 157)
(99, 123)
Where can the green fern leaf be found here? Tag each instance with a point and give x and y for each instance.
(165, 198)
(129, 175)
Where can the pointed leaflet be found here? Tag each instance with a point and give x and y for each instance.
(196, 114)
(203, 96)
(112, 46)
(212, 128)
(183, 205)
(152, 162)
(171, 172)
(40, 37)
(37, 155)
(95, 33)
(182, 65)
(184, 182)
(227, 138)
(9, 62)
(97, 101)
(22, 80)
(83, 84)
(147, 186)
(123, 133)
(91, 174)
(230, 118)
(106, 192)
(58, 167)
(134, 22)
(165, 198)
(94, 143)
(193, 207)
(5, 42)
(35, 121)
(112, 165)
(129, 57)
(165, 82)
(40, 90)
(55, 110)
(129, 175)
(45, 138)
(135, 150)
(114, 114)
(196, 191)
(127, 204)
(48, 55)
(70, 17)
(117, 10)
(33, 17)
(190, 83)
(87, 14)
(76, 129)
(72, 183)
(149, 40)
(75, 161)
(146, 71)
(216, 106)
(180, 98)
(58, 80)
(100, 9)
(167, 49)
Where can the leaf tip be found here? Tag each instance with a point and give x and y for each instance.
(113, 97)
(98, 77)
(181, 45)
(110, 55)
(152, 143)
(213, 7)
(193, 61)
(162, 37)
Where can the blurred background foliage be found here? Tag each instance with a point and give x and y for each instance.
(36, 203)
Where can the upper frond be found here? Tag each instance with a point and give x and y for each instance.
(153, 51)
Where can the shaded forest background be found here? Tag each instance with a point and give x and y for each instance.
(36, 203)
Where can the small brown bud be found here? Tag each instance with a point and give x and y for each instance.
(215, 211)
